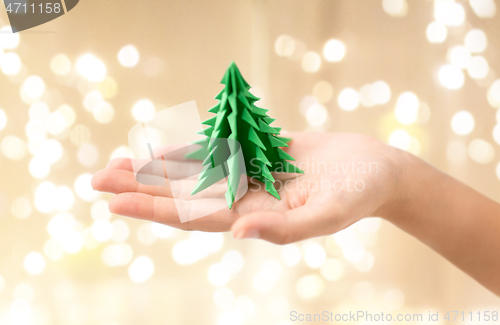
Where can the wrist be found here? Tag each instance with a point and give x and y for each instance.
(404, 169)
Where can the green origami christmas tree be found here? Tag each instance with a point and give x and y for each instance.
(239, 119)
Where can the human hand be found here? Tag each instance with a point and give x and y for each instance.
(346, 177)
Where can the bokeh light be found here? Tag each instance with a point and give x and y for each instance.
(223, 297)
(91, 100)
(436, 32)
(13, 147)
(34, 263)
(66, 233)
(323, 91)
(456, 152)
(145, 234)
(406, 110)
(103, 112)
(8, 39)
(478, 67)
(83, 188)
(424, 113)
(290, 254)
(55, 123)
(36, 133)
(334, 50)
(380, 92)
(60, 65)
(233, 261)
(64, 198)
(121, 231)
(496, 133)
(39, 111)
(87, 154)
(310, 286)
(218, 274)
(3, 119)
(476, 41)
(400, 139)
(305, 103)
(394, 299)
(285, 46)
(162, 231)
(314, 255)
(10, 64)
(102, 230)
(311, 62)
(50, 151)
(316, 115)
(117, 255)
(449, 12)
(481, 151)
(269, 273)
(459, 56)
(230, 317)
(348, 99)
(108, 87)
(395, 8)
(332, 269)
(120, 152)
(462, 123)
(484, 8)
(365, 264)
(80, 134)
(53, 250)
(493, 95)
(143, 110)
(21, 208)
(141, 269)
(23, 291)
(451, 77)
(33, 88)
(91, 67)
(68, 113)
(185, 252)
(44, 197)
(365, 98)
(246, 307)
(271, 270)
(128, 56)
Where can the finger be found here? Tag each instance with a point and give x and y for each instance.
(285, 227)
(169, 211)
(174, 169)
(121, 181)
(120, 163)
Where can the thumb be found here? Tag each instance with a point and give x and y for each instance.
(283, 227)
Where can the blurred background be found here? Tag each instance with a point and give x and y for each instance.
(420, 75)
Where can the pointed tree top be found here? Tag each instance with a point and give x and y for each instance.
(233, 66)
(233, 70)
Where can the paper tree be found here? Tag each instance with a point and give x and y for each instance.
(239, 119)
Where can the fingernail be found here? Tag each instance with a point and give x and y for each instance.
(243, 234)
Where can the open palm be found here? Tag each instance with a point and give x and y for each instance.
(346, 177)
